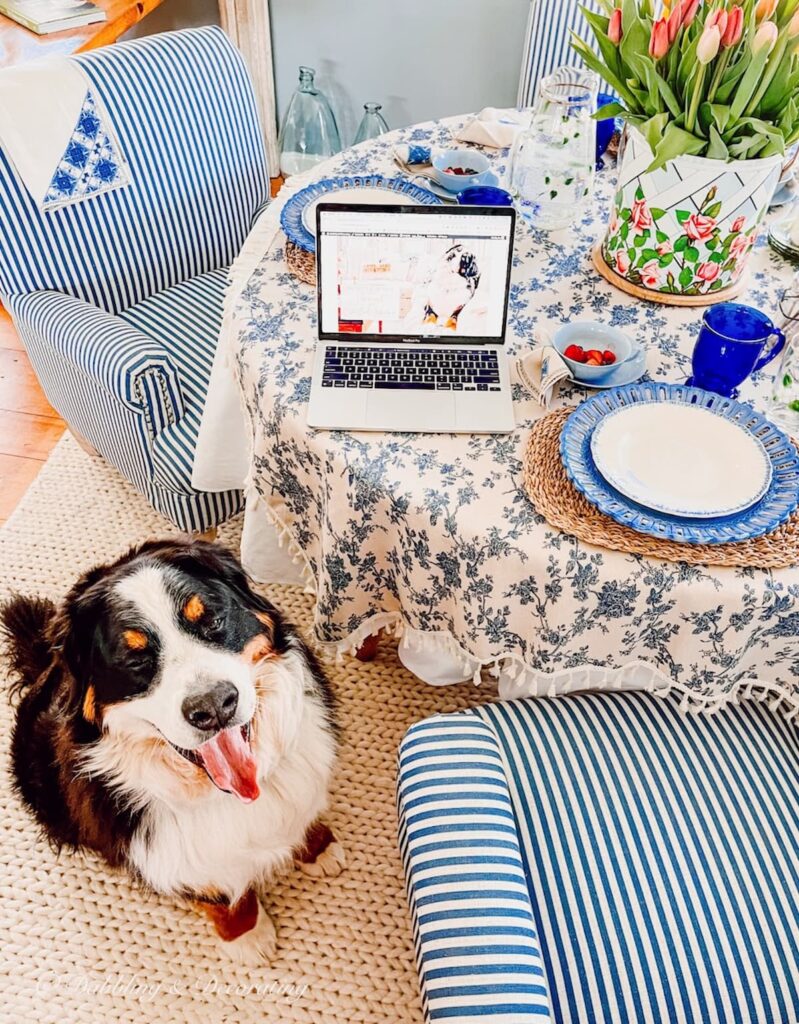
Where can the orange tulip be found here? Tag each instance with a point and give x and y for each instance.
(765, 9)
(659, 40)
(614, 28)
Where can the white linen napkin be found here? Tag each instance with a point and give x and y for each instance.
(494, 128)
(541, 370)
(56, 134)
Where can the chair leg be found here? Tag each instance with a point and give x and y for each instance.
(83, 443)
(368, 649)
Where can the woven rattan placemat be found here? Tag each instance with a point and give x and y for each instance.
(562, 505)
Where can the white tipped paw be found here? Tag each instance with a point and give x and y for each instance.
(255, 947)
(329, 862)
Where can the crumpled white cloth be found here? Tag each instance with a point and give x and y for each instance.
(495, 128)
(40, 103)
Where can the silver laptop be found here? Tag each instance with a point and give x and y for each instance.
(413, 305)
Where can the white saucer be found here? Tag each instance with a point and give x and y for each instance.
(627, 373)
(682, 460)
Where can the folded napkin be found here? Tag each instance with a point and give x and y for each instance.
(55, 132)
(494, 128)
(541, 370)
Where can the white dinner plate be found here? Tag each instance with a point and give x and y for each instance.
(681, 459)
(368, 194)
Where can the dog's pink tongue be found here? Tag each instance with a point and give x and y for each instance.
(229, 761)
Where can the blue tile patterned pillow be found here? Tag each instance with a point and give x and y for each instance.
(92, 162)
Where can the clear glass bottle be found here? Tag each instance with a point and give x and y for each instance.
(309, 133)
(372, 123)
(552, 162)
(784, 406)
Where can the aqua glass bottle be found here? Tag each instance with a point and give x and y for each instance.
(372, 123)
(309, 133)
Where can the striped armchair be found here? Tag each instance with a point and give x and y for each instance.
(604, 859)
(547, 41)
(118, 299)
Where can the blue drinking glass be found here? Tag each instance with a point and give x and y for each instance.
(485, 195)
(732, 345)
(604, 128)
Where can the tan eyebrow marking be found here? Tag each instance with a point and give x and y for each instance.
(89, 709)
(194, 609)
(135, 639)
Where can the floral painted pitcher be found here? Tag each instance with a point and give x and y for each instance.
(686, 229)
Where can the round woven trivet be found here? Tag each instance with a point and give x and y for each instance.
(301, 263)
(563, 506)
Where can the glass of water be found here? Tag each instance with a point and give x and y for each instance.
(552, 162)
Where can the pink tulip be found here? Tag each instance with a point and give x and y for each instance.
(698, 227)
(689, 12)
(675, 21)
(614, 28)
(765, 9)
(650, 274)
(765, 37)
(708, 45)
(735, 26)
(793, 26)
(738, 224)
(708, 272)
(622, 262)
(659, 40)
(719, 19)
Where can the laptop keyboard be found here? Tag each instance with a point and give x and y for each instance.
(410, 368)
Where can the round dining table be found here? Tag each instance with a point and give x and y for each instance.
(432, 536)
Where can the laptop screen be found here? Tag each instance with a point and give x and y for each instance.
(413, 273)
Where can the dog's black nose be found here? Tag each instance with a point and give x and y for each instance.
(212, 709)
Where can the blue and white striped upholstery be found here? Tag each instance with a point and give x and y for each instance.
(660, 853)
(547, 41)
(91, 286)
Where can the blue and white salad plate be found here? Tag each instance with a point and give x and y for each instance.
(771, 465)
(298, 216)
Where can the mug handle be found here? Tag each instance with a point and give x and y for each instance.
(775, 350)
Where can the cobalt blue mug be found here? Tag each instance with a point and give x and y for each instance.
(732, 345)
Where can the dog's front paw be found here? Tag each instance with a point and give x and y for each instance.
(329, 862)
(255, 947)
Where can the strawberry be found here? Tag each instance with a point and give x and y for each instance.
(574, 352)
(608, 357)
(594, 353)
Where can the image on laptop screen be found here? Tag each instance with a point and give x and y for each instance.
(414, 273)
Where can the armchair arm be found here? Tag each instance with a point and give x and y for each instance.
(131, 367)
(477, 948)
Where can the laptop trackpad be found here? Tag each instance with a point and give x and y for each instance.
(411, 410)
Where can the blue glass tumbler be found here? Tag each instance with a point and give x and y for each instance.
(733, 344)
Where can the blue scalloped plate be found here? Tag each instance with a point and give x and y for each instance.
(297, 216)
(776, 505)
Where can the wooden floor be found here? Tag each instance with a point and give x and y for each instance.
(29, 426)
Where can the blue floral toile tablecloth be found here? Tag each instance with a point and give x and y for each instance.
(434, 536)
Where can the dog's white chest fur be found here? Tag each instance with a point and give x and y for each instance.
(219, 845)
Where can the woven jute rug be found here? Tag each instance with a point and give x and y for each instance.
(562, 505)
(81, 944)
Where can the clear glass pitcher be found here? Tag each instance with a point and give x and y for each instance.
(372, 124)
(309, 133)
(552, 161)
(784, 409)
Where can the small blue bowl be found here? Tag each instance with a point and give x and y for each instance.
(485, 195)
(465, 158)
(592, 334)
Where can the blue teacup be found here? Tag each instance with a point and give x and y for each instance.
(732, 345)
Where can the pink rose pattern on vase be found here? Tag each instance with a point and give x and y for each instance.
(708, 254)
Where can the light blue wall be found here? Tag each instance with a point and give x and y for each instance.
(420, 58)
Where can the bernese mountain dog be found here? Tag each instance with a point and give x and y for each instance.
(171, 721)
